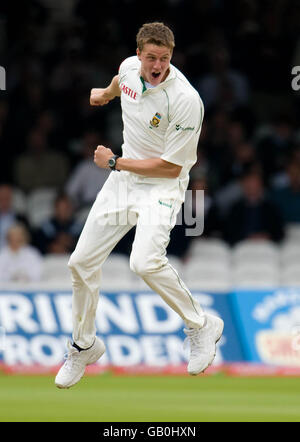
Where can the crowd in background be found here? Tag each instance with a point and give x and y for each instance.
(239, 56)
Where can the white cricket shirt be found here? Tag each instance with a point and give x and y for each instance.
(164, 121)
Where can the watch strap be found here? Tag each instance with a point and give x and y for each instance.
(115, 157)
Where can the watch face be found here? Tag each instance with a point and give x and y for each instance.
(111, 162)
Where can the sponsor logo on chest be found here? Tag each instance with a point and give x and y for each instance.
(128, 91)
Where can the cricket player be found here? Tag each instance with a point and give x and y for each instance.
(162, 116)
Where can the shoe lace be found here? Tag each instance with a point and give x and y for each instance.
(194, 341)
(71, 359)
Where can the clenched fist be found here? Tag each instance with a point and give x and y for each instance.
(101, 156)
(99, 97)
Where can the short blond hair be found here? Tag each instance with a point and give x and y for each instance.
(156, 33)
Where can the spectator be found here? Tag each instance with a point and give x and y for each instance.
(274, 146)
(223, 86)
(87, 179)
(287, 198)
(227, 195)
(253, 216)
(243, 155)
(8, 216)
(60, 233)
(212, 222)
(5, 132)
(18, 260)
(216, 147)
(40, 166)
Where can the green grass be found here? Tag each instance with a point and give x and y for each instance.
(108, 398)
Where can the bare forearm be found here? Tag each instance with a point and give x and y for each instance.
(102, 96)
(152, 167)
(113, 89)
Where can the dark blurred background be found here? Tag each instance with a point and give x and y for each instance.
(239, 56)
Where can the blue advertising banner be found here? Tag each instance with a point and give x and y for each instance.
(137, 328)
(269, 325)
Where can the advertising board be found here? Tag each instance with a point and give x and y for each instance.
(137, 328)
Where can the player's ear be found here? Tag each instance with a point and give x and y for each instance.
(138, 53)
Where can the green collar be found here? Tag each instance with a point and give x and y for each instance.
(143, 83)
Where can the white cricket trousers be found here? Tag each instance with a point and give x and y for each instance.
(125, 201)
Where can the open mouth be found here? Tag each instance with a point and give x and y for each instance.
(155, 74)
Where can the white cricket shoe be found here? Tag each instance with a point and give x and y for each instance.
(203, 344)
(76, 361)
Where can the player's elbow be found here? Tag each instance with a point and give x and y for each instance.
(175, 171)
(172, 170)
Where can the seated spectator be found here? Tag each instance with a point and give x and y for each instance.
(253, 216)
(212, 221)
(8, 216)
(243, 154)
(60, 233)
(223, 85)
(216, 147)
(287, 198)
(233, 191)
(274, 146)
(87, 179)
(40, 166)
(18, 260)
(5, 134)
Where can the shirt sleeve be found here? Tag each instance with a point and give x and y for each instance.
(183, 132)
(126, 65)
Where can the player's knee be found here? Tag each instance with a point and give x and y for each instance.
(75, 262)
(137, 264)
(143, 266)
(139, 268)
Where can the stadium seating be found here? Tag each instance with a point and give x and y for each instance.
(290, 275)
(207, 275)
(211, 264)
(255, 251)
(116, 274)
(255, 274)
(289, 253)
(56, 269)
(214, 250)
(292, 232)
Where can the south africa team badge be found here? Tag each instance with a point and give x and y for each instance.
(155, 120)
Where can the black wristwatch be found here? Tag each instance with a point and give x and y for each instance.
(112, 162)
